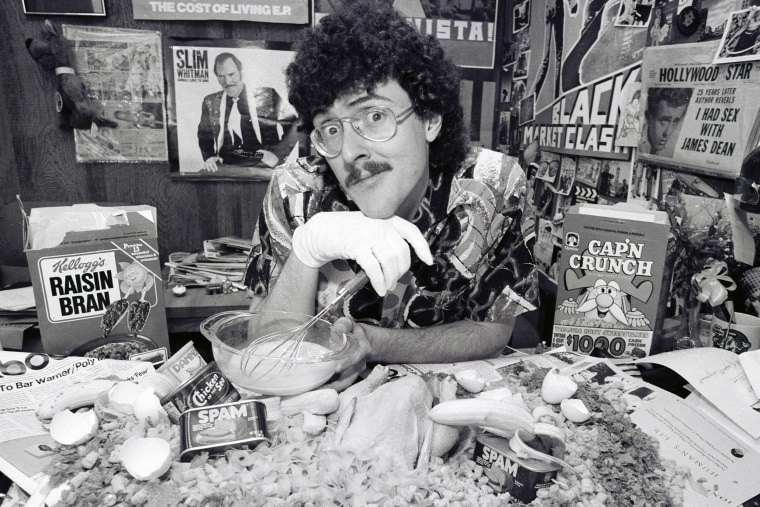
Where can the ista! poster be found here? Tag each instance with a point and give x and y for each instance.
(467, 30)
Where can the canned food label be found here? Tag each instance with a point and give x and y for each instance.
(506, 472)
(208, 387)
(216, 428)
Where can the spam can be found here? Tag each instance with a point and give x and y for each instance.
(216, 428)
(183, 364)
(506, 472)
(207, 387)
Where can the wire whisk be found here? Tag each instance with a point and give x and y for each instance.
(282, 347)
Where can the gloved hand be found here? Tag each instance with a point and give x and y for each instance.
(380, 246)
(349, 367)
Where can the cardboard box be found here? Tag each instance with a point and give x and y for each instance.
(613, 281)
(97, 282)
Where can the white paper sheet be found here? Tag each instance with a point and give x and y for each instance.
(717, 375)
(750, 362)
(723, 469)
(17, 299)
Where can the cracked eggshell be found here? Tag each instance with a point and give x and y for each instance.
(147, 407)
(545, 411)
(500, 393)
(122, 396)
(73, 428)
(56, 495)
(575, 410)
(470, 380)
(161, 384)
(557, 387)
(146, 458)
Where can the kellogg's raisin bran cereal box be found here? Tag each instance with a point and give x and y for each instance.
(96, 278)
(613, 280)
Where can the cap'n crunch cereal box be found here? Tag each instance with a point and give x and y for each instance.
(613, 280)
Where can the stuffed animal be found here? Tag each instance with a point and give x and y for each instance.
(76, 107)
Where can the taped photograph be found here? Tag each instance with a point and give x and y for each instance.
(741, 38)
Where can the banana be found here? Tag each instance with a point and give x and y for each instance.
(500, 417)
(72, 397)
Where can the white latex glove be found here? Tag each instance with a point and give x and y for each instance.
(380, 246)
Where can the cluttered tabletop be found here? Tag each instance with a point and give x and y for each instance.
(96, 423)
(547, 428)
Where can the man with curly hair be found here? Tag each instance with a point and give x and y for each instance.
(394, 171)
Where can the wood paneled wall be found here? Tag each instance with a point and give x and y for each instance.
(37, 159)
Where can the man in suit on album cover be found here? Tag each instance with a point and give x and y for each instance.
(244, 126)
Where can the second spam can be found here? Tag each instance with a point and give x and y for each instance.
(207, 387)
(521, 477)
(220, 427)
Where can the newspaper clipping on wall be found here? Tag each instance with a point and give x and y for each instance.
(696, 114)
(231, 110)
(123, 72)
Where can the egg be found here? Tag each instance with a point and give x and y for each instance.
(543, 412)
(470, 380)
(147, 407)
(161, 384)
(557, 387)
(575, 410)
(122, 396)
(146, 458)
(73, 428)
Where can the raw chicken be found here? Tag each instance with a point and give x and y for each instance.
(393, 417)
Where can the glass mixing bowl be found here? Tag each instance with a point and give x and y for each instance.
(288, 361)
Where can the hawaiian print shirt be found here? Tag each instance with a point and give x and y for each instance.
(476, 222)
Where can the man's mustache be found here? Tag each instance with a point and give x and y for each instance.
(356, 174)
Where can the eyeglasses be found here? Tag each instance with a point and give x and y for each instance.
(376, 123)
